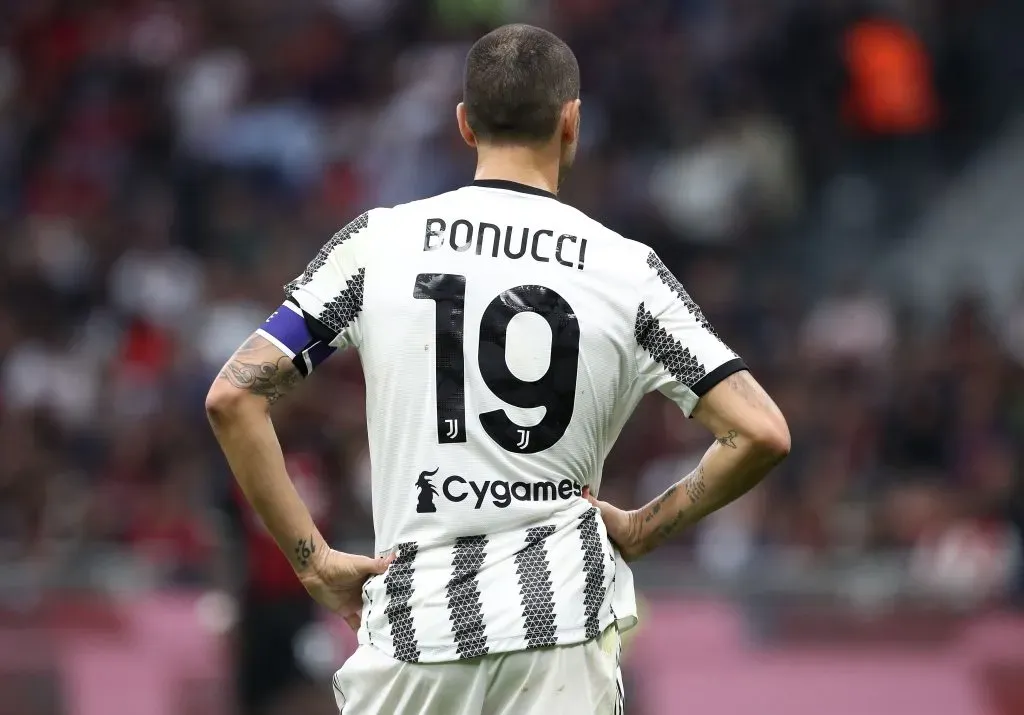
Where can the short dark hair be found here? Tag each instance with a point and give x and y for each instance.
(518, 78)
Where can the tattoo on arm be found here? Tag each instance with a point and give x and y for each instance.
(656, 507)
(304, 551)
(667, 531)
(729, 439)
(745, 385)
(695, 488)
(260, 368)
(694, 485)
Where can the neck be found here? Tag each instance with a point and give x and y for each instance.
(523, 165)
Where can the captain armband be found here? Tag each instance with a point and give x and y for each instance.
(292, 331)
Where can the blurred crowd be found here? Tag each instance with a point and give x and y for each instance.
(167, 165)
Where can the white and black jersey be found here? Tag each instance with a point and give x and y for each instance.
(505, 339)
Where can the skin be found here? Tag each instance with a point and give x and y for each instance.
(544, 166)
(238, 407)
(751, 437)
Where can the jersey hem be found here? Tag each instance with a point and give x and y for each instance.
(730, 367)
(496, 646)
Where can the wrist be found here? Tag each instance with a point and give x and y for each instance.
(635, 522)
(308, 556)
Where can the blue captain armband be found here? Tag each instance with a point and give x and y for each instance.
(289, 329)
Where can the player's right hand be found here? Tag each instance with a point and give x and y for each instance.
(336, 582)
(623, 527)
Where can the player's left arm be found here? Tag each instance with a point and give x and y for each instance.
(751, 438)
(680, 354)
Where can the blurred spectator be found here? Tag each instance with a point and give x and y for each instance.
(854, 326)
(1013, 330)
(891, 89)
(742, 170)
(154, 280)
(275, 609)
(166, 167)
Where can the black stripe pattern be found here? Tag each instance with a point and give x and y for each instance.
(398, 586)
(620, 692)
(665, 349)
(535, 589)
(593, 567)
(464, 597)
(343, 309)
(673, 284)
(318, 262)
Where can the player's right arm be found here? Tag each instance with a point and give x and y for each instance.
(318, 318)
(680, 355)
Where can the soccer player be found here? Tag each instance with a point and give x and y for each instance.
(505, 339)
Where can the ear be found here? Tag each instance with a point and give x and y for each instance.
(464, 129)
(571, 121)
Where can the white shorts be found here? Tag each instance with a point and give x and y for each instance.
(581, 679)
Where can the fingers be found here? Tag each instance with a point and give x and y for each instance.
(382, 562)
(603, 506)
(618, 524)
(354, 621)
(370, 567)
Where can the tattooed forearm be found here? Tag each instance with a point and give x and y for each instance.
(734, 464)
(667, 531)
(657, 533)
(260, 368)
(694, 485)
(304, 551)
(729, 439)
(653, 510)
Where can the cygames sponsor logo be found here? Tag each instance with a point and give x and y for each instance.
(498, 492)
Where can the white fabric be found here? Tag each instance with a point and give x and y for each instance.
(580, 679)
(497, 550)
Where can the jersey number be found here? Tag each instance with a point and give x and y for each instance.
(555, 390)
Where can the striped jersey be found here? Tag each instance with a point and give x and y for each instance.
(505, 339)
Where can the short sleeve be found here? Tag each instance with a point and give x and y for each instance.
(319, 315)
(677, 351)
(330, 291)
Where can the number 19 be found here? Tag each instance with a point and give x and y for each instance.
(555, 390)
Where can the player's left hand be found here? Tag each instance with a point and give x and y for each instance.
(623, 527)
(336, 582)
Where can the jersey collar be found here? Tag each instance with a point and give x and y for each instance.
(513, 186)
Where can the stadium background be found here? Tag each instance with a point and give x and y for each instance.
(837, 182)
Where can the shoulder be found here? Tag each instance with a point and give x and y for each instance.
(631, 256)
(416, 210)
(384, 221)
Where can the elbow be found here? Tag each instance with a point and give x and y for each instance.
(223, 402)
(773, 440)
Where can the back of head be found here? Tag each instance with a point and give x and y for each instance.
(518, 78)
